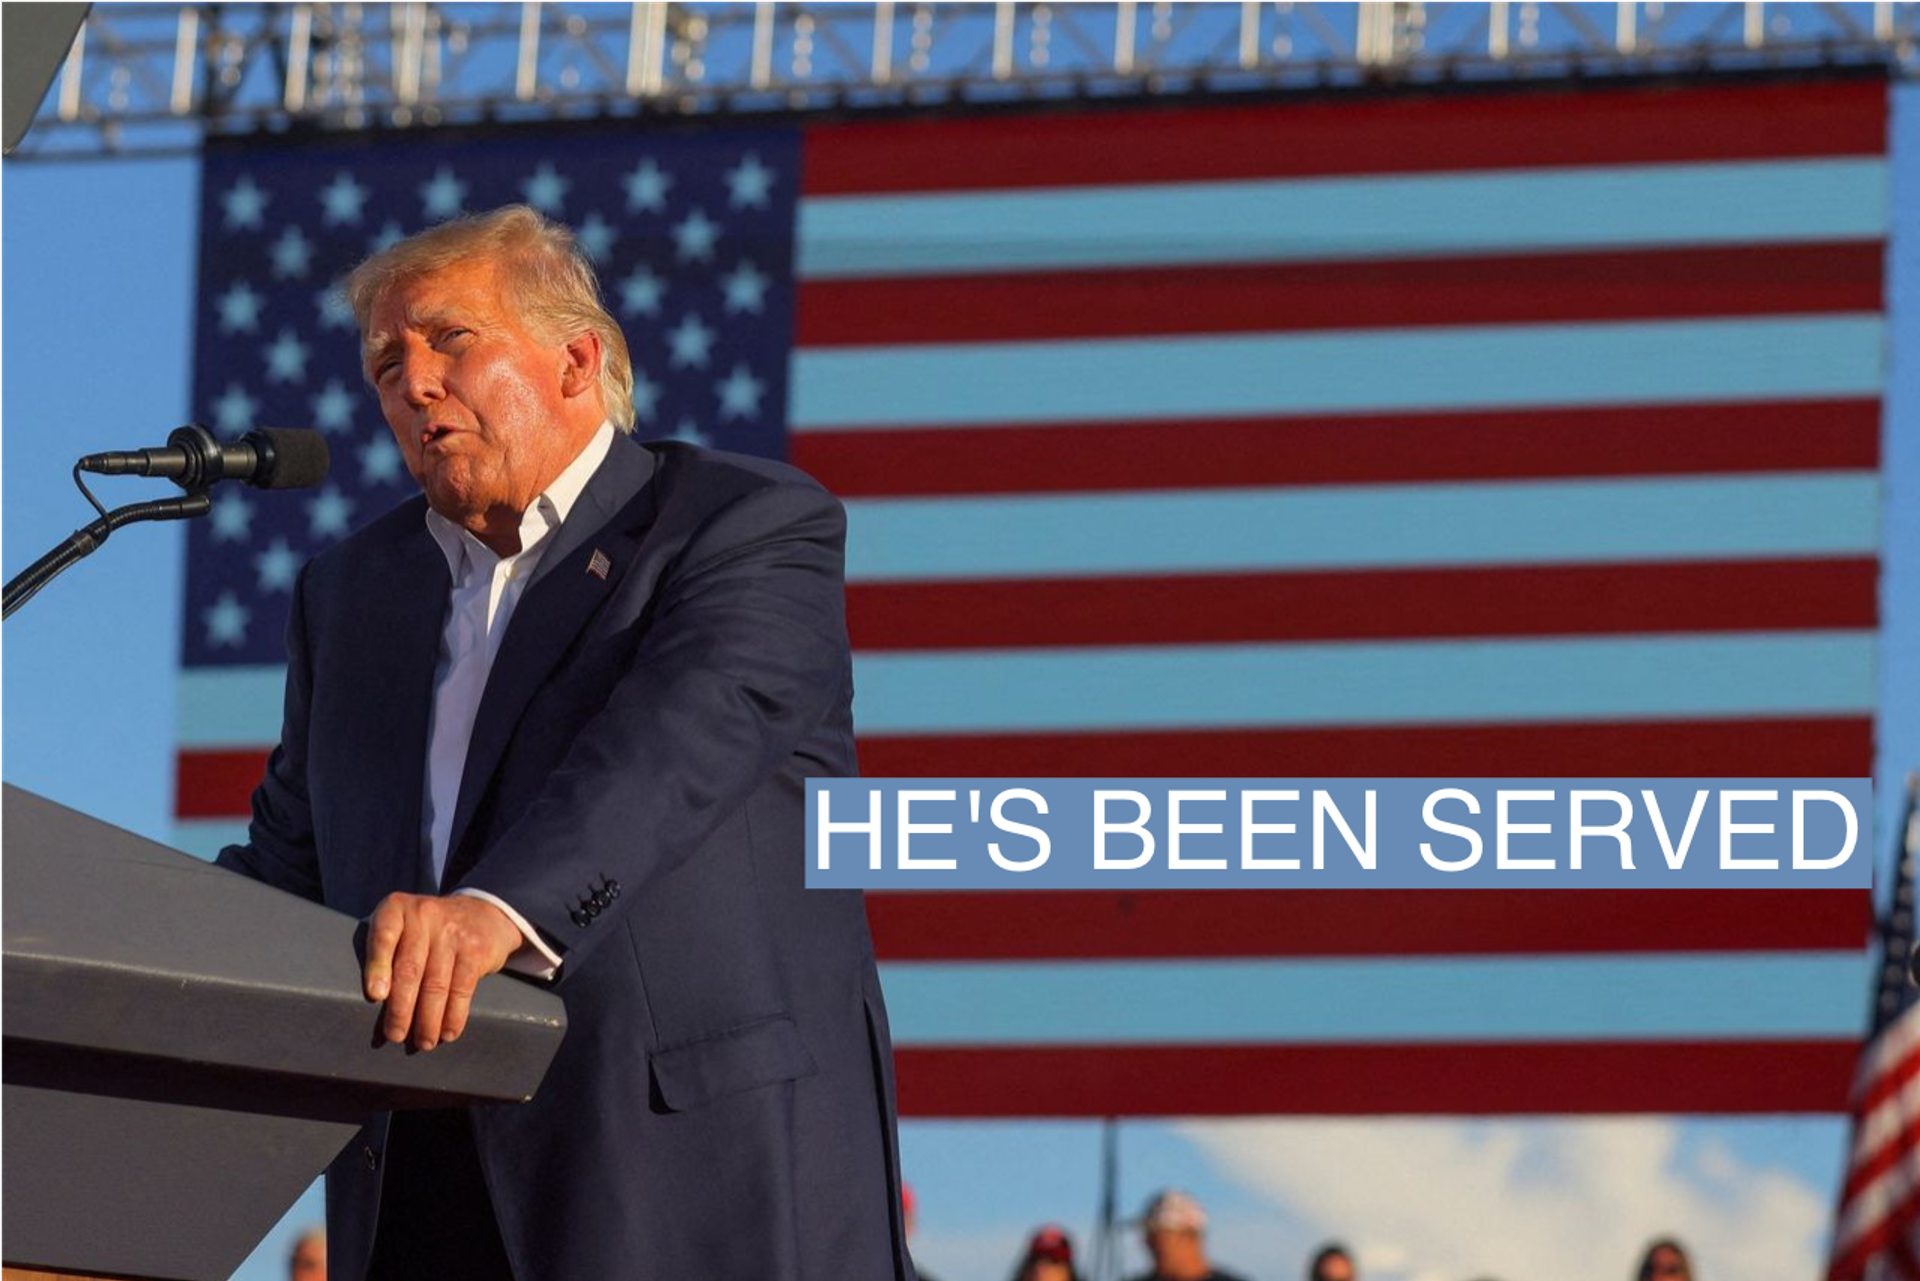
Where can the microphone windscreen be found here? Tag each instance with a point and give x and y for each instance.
(300, 458)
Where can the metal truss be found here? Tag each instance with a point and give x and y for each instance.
(152, 78)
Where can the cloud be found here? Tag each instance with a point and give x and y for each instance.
(1527, 1200)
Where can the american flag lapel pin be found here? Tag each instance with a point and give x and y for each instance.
(598, 564)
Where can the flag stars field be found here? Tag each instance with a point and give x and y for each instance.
(333, 408)
(641, 292)
(240, 308)
(330, 514)
(245, 205)
(596, 236)
(546, 190)
(234, 410)
(443, 195)
(226, 621)
(647, 187)
(292, 254)
(745, 288)
(342, 201)
(695, 236)
(749, 183)
(691, 342)
(287, 358)
(277, 566)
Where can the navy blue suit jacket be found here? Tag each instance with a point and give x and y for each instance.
(722, 1104)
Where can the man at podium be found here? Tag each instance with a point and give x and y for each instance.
(556, 715)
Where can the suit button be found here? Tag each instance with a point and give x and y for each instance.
(592, 910)
(601, 900)
(581, 919)
(613, 889)
(372, 1157)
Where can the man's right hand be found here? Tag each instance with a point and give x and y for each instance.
(425, 956)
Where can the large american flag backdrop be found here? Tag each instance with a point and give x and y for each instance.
(1473, 434)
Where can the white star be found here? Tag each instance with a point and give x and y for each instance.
(640, 292)
(226, 621)
(689, 431)
(391, 233)
(335, 313)
(287, 358)
(596, 236)
(546, 190)
(245, 204)
(333, 407)
(328, 513)
(234, 410)
(691, 341)
(740, 394)
(232, 517)
(694, 236)
(748, 183)
(292, 253)
(341, 200)
(379, 461)
(239, 308)
(646, 396)
(647, 187)
(746, 288)
(276, 567)
(443, 196)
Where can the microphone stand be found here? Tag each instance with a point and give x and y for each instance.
(86, 540)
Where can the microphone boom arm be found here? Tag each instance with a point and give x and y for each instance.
(83, 542)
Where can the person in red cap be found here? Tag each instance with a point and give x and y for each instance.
(1174, 1228)
(1049, 1256)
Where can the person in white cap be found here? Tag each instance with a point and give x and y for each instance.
(1173, 1228)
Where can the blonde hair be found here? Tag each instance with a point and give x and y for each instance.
(548, 279)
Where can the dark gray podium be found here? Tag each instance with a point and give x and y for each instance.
(185, 1050)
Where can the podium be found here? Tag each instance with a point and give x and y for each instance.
(186, 1049)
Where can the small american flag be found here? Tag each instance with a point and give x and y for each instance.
(1876, 1235)
(598, 565)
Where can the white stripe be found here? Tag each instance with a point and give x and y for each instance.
(235, 707)
(1463, 367)
(1356, 684)
(1426, 999)
(1363, 527)
(1307, 219)
(206, 837)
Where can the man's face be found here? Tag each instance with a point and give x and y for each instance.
(1335, 1267)
(473, 398)
(309, 1261)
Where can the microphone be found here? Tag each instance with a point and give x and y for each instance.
(266, 458)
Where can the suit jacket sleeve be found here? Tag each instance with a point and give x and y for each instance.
(745, 649)
(280, 847)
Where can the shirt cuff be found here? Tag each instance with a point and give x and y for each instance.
(534, 959)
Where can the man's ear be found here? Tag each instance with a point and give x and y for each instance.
(581, 373)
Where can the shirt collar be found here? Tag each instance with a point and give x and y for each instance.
(544, 515)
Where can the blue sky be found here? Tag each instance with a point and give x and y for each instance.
(94, 337)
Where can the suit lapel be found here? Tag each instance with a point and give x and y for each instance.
(590, 553)
(399, 653)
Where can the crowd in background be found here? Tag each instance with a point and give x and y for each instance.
(1173, 1229)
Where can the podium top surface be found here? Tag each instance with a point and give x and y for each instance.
(122, 945)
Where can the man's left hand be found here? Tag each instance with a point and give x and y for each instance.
(425, 955)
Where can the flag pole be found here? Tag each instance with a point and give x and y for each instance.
(1105, 1253)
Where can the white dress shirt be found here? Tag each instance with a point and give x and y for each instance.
(486, 589)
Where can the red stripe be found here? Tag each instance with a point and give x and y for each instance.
(1286, 297)
(1407, 133)
(1372, 449)
(1813, 747)
(1731, 596)
(217, 784)
(1374, 1080)
(961, 925)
